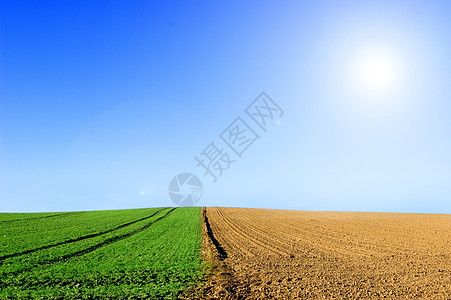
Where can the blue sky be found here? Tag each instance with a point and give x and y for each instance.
(104, 102)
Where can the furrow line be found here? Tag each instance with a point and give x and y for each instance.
(257, 236)
(221, 226)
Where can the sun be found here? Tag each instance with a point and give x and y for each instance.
(376, 70)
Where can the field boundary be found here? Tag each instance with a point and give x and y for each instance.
(2, 258)
(219, 281)
(221, 252)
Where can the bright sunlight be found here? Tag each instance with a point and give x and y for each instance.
(376, 71)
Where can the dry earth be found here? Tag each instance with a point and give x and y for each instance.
(280, 254)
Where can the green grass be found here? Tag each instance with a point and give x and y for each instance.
(20, 233)
(146, 253)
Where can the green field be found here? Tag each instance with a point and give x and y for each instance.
(121, 254)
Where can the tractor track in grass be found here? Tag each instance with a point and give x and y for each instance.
(90, 249)
(2, 258)
(277, 254)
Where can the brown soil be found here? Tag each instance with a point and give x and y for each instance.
(280, 254)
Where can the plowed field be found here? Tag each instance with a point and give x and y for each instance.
(264, 254)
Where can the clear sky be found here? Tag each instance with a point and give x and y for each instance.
(104, 102)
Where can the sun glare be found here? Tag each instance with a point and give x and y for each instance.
(376, 71)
